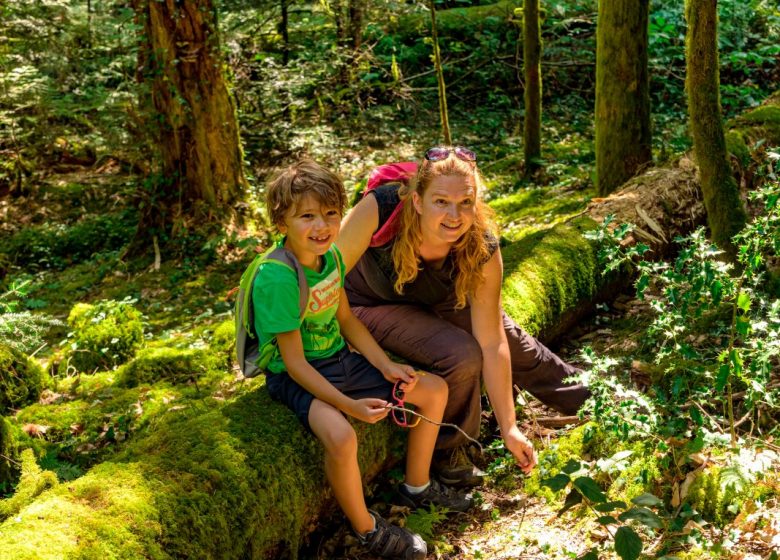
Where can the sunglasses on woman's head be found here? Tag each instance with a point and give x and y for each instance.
(440, 153)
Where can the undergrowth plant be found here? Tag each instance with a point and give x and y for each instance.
(22, 329)
(715, 341)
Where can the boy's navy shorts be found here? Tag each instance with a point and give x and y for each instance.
(349, 372)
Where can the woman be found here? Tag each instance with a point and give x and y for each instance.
(431, 294)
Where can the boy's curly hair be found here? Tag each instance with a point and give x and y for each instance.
(306, 176)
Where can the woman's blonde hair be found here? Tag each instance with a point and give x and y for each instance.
(470, 252)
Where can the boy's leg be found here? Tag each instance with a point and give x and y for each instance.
(430, 398)
(341, 463)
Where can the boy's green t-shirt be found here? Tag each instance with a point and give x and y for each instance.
(275, 298)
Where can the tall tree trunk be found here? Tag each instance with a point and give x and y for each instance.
(284, 30)
(623, 138)
(357, 10)
(725, 213)
(443, 114)
(193, 115)
(532, 50)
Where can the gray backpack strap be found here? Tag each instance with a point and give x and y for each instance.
(285, 256)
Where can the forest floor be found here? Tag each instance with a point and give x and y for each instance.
(509, 524)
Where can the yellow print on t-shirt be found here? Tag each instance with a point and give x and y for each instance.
(325, 294)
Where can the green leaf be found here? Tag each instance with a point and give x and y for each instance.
(609, 506)
(557, 483)
(742, 325)
(743, 301)
(723, 376)
(628, 545)
(644, 516)
(716, 291)
(590, 489)
(571, 466)
(574, 498)
(590, 555)
(647, 500)
(607, 520)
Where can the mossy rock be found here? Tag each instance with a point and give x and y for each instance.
(31, 484)
(235, 479)
(7, 454)
(548, 273)
(104, 335)
(760, 123)
(737, 147)
(21, 379)
(173, 365)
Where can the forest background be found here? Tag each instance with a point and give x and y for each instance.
(135, 140)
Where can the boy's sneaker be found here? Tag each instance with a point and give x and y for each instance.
(455, 468)
(436, 494)
(391, 541)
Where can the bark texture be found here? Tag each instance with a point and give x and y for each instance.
(193, 116)
(725, 212)
(623, 138)
(532, 51)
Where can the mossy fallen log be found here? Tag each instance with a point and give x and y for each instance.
(237, 477)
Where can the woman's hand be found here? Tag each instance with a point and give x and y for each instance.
(521, 448)
(394, 371)
(368, 410)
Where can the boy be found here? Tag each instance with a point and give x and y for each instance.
(314, 373)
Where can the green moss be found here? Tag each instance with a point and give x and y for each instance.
(530, 210)
(736, 146)
(174, 365)
(31, 484)
(57, 245)
(7, 454)
(552, 459)
(109, 513)
(21, 379)
(104, 335)
(548, 273)
(240, 479)
(223, 341)
(768, 114)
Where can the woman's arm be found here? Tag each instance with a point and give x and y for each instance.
(356, 231)
(291, 348)
(488, 329)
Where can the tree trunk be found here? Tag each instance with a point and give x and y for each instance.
(357, 10)
(192, 115)
(284, 30)
(623, 139)
(725, 213)
(532, 124)
(443, 114)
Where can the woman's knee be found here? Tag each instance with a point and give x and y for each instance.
(464, 362)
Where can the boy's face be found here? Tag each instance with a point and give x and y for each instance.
(311, 228)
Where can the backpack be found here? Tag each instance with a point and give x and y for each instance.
(389, 173)
(252, 359)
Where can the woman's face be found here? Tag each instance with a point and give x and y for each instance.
(447, 208)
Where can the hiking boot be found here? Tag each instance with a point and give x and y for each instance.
(436, 494)
(391, 541)
(454, 467)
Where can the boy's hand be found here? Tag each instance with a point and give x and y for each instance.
(369, 410)
(521, 448)
(394, 371)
